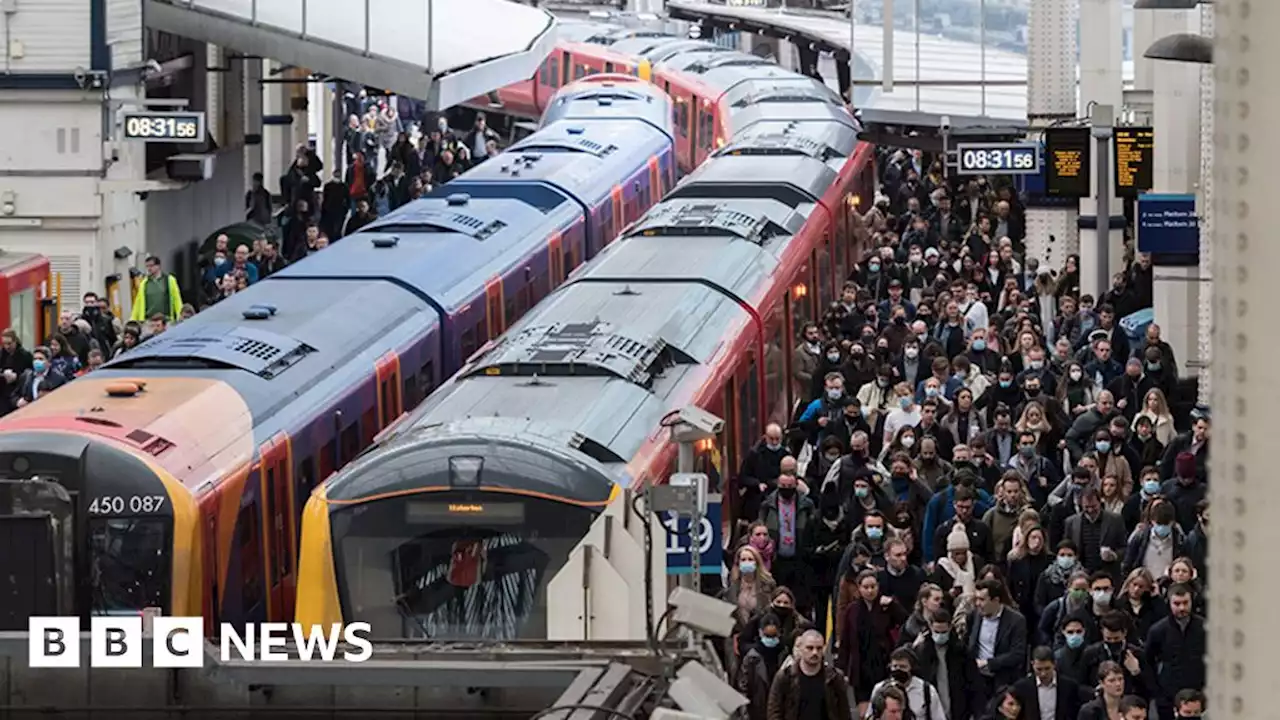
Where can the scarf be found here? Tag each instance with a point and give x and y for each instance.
(963, 577)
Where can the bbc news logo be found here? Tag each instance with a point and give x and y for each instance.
(178, 642)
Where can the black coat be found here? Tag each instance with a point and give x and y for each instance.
(961, 672)
(1071, 697)
(1179, 654)
(1010, 659)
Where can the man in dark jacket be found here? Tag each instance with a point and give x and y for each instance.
(809, 687)
(1176, 645)
(759, 471)
(14, 361)
(1115, 647)
(943, 662)
(789, 516)
(997, 641)
(1067, 695)
(1185, 490)
(1195, 442)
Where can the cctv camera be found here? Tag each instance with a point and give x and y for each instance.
(81, 76)
(698, 424)
(701, 612)
(945, 122)
(154, 66)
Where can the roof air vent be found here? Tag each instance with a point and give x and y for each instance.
(574, 130)
(385, 241)
(259, 312)
(458, 199)
(604, 102)
(125, 389)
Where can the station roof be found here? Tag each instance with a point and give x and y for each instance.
(441, 51)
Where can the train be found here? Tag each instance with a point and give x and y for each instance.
(173, 479)
(453, 525)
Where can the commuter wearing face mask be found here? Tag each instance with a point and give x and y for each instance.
(789, 517)
(759, 470)
(876, 279)
(910, 368)
(1115, 647)
(1143, 443)
(760, 662)
(831, 360)
(922, 697)
(1155, 545)
(1148, 488)
(1070, 654)
(1052, 583)
(824, 411)
(943, 662)
(981, 354)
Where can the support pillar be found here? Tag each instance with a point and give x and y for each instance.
(320, 97)
(1204, 325)
(1176, 101)
(297, 102)
(1051, 97)
(1101, 82)
(1140, 100)
(277, 139)
(253, 130)
(1242, 634)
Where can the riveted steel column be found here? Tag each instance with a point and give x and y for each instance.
(1051, 97)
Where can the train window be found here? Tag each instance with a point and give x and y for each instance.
(250, 557)
(774, 387)
(510, 308)
(349, 443)
(326, 460)
(608, 67)
(749, 426)
(427, 379)
(279, 565)
(579, 71)
(841, 253)
(523, 302)
(554, 72)
(411, 396)
(22, 316)
(544, 74)
(706, 129)
(368, 429)
(469, 344)
(682, 117)
(825, 294)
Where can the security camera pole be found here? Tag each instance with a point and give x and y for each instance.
(1102, 119)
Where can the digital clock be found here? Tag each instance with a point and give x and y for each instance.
(998, 158)
(173, 126)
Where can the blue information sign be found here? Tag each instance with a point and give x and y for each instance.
(1168, 225)
(711, 537)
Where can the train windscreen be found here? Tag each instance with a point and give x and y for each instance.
(462, 565)
(130, 564)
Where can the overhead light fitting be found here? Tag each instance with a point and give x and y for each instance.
(1182, 47)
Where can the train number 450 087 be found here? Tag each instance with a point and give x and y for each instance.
(121, 505)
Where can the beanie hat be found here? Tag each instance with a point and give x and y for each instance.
(1184, 465)
(958, 539)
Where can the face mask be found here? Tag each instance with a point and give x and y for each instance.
(911, 353)
(1066, 562)
(1163, 531)
(902, 677)
(904, 403)
(833, 357)
(916, 259)
(769, 642)
(882, 383)
(862, 492)
(1103, 446)
(874, 267)
(1153, 367)
(1027, 451)
(747, 567)
(219, 261)
(38, 365)
(941, 638)
(922, 337)
(1078, 595)
(832, 457)
(1075, 640)
(774, 446)
(875, 533)
(931, 392)
(835, 393)
(782, 612)
(1102, 597)
(1036, 364)
(787, 493)
(1076, 375)
(979, 345)
(1151, 487)
(1006, 384)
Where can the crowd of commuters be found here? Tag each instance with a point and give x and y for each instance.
(989, 504)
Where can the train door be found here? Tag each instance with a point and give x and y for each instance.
(565, 63)
(390, 403)
(655, 179)
(494, 311)
(278, 526)
(619, 211)
(731, 461)
(555, 261)
(694, 120)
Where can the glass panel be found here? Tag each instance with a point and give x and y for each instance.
(749, 427)
(825, 295)
(131, 567)
(464, 565)
(22, 316)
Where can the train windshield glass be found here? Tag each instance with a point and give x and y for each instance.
(130, 564)
(455, 566)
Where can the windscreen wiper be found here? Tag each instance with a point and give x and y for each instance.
(401, 602)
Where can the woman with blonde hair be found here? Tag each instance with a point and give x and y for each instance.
(1034, 419)
(929, 600)
(1155, 407)
(1138, 601)
(750, 584)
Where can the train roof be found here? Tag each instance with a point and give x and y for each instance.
(821, 141)
(801, 114)
(793, 180)
(304, 334)
(444, 247)
(700, 62)
(626, 347)
(601, 100)
(746, 87)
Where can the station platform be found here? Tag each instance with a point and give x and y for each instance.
(439, 51)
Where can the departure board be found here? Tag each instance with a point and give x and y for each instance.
(1134, 149)
(1067, 162)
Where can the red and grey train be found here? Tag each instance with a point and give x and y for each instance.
(454, 524)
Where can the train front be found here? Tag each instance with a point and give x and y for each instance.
(449, 532)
